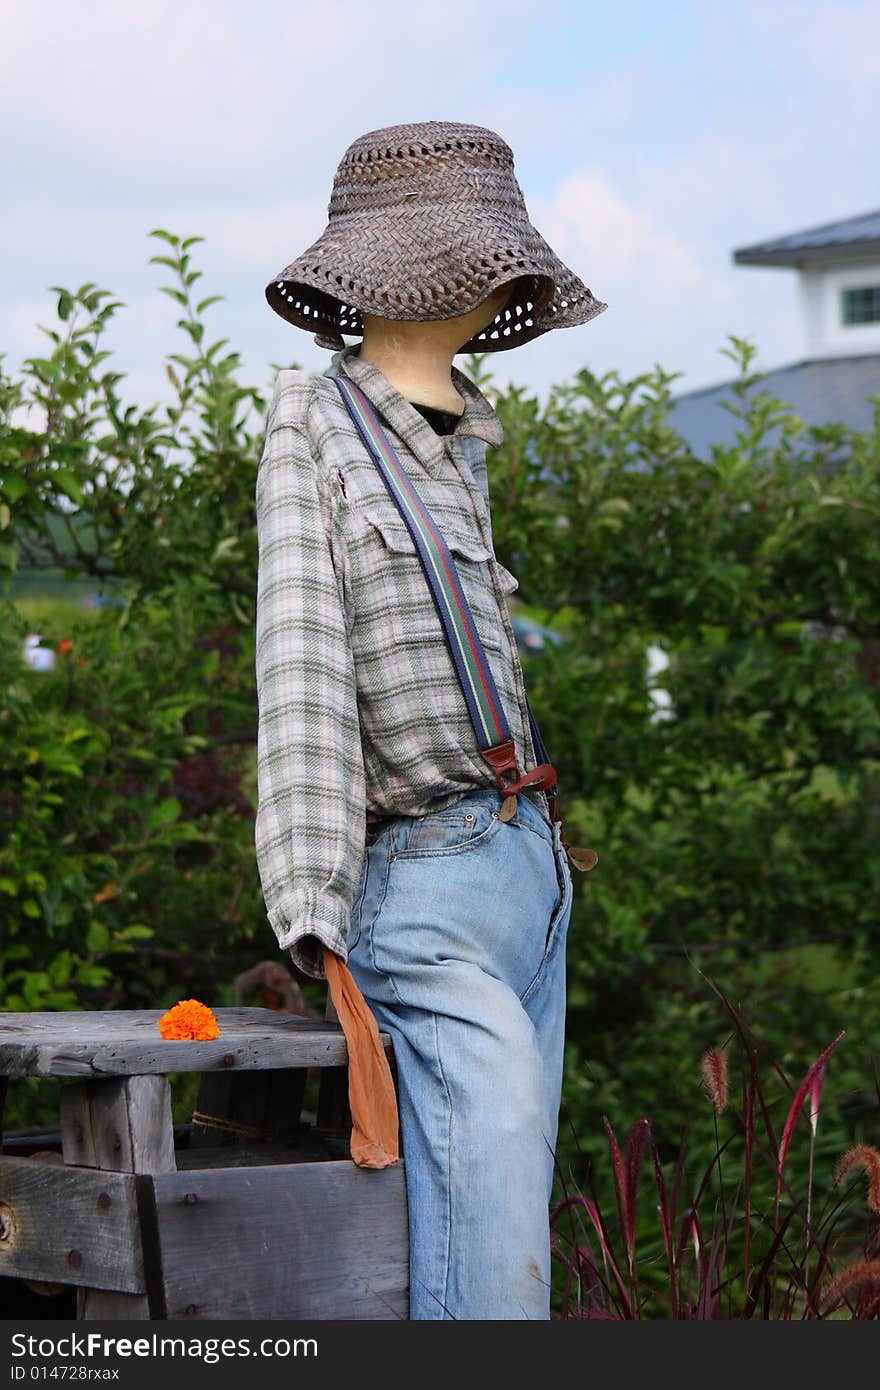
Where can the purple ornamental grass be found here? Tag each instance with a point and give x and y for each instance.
(696, 1270)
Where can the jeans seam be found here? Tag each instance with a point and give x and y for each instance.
(446, 1257)
(554, 937)
(386, 975)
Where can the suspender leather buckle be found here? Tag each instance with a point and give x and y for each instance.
(502, 759)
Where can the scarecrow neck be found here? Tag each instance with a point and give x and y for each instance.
(417, 357)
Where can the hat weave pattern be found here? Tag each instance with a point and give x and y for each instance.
(425, 220)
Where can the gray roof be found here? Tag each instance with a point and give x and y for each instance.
(834, 241)
(819, 390)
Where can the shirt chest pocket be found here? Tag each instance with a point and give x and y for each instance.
(390, 560)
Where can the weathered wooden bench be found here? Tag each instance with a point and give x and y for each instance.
(248, 1210)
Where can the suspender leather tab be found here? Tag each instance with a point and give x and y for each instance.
(501, 758)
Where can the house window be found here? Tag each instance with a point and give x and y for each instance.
(861, 305)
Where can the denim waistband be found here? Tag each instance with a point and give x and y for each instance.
(527, 812)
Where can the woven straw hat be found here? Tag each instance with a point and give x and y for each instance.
(425, 221)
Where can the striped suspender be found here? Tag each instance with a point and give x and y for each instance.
(465, 647)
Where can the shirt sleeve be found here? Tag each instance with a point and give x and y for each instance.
(310, 822)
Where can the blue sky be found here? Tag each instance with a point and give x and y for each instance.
(650, 139)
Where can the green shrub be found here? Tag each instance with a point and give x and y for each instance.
(738, 836)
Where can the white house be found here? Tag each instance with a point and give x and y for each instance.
(838, 270)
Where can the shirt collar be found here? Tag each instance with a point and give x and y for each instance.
(479, 417)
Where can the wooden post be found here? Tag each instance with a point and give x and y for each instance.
(121, 1124)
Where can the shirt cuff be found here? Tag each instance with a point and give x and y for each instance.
(305, 922)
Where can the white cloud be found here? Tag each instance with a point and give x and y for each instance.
(613, 242)
(666, 303)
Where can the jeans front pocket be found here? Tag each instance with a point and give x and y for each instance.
(456, 829)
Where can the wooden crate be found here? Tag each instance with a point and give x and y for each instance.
(263, 1218)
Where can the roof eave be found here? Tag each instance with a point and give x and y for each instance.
(798, 258)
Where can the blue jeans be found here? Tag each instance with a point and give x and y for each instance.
(457, 942)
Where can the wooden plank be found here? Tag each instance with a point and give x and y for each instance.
(126, 1042)
(69, 1225)
(310, 1240)
(334, 1113)
(284, 1101)
(122, 1124)
(22, 1142)
(310, 1148)
(268, 1102)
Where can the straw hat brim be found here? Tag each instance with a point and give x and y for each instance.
(396, 267)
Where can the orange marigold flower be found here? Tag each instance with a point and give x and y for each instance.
(191, 1020)
(65, 645)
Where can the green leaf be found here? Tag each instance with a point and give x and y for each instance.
(69, 485)
(175, 294)
(14, 486)
(138, 931)
(163, 814)
(93, 975)
(97, 937)
(61, 967)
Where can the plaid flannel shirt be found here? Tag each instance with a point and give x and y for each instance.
(360, 708)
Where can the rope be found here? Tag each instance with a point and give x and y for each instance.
(199, 1117)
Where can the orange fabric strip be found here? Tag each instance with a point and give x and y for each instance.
(371, 1094)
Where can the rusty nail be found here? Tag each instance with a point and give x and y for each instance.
(191, 1197)
(103, 1201)
(191, 1309)
(229, 1059)
(74, 1259)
